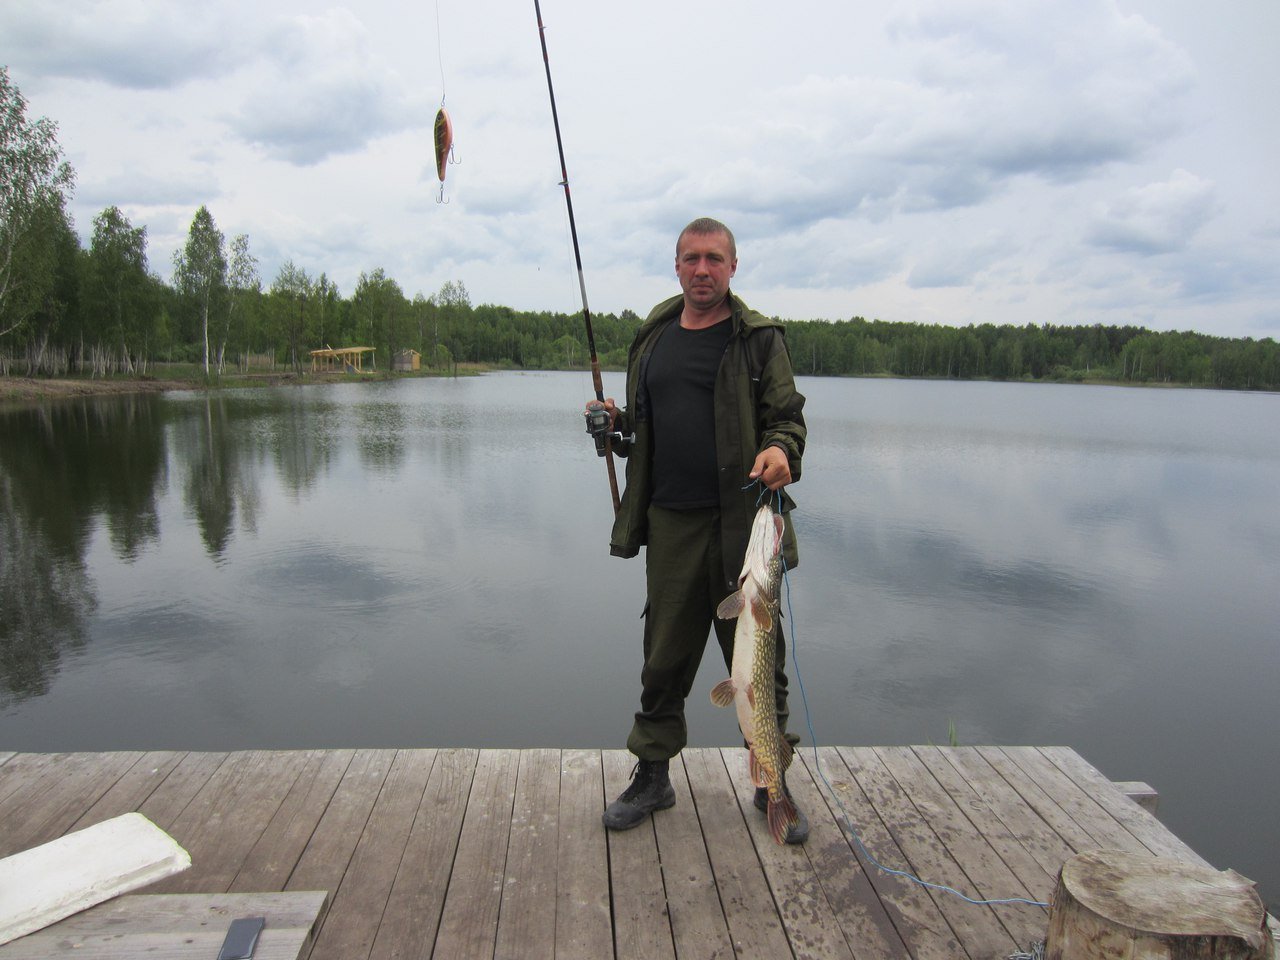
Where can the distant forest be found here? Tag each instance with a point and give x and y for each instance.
(106, 314)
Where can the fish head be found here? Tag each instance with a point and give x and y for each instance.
(764, 546)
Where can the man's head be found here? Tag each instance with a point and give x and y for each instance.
(705, 226)
(706, 260)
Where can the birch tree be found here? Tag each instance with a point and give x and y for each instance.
(200, 270)
(242, 282)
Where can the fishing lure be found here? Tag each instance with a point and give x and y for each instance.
(444, 147)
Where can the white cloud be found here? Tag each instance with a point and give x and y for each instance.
(1156, 218)
(125, 43)
(325, 91)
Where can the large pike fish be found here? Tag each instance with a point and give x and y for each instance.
(750, 684)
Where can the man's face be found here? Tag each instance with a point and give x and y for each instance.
(705, 265)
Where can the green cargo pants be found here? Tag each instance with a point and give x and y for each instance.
(685, 576)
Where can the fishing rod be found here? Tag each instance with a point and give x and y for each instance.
(597, 418)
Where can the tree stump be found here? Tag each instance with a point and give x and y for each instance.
(1110, 905)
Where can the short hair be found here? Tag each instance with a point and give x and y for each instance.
(704, 226)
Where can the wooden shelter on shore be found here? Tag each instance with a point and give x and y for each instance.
(340, 360)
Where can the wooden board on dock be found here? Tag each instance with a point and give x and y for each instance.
(176, 927)
(455, 853)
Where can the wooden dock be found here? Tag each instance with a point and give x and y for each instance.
(457, 853)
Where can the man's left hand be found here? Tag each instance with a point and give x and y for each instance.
(771, 468)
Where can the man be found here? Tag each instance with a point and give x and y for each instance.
(711, 406)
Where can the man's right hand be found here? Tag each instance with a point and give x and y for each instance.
(610, 407)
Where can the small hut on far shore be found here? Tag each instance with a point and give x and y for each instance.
(406, 361)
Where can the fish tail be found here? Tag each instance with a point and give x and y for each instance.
(782, 817)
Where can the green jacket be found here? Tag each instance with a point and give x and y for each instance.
(756, 406)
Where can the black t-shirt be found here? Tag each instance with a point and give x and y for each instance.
(680, 379)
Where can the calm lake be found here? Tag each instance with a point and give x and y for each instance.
(425, 563)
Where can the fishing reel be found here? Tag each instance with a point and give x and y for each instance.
(598, 426)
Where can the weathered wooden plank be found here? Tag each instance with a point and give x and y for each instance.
(698, 927)
(165, 804)
(527, 917)
(979, 932)
(356, 908)
(54, 792)
(325, 859)
(174, 927)
(1045, 846)
(412, 915)
(1035, 878)
(1038, 801)
(641, 926)
(13, 776)
(8, 781)
(915, 916)
(749, 909)
(227, 817)
(809, 920)
(865, 923)
(468, 926)
(133, 788)
(271, 861)
(989, 876)
(1143, 794)
(584, 930)
(1132, 816)
(1077, 804)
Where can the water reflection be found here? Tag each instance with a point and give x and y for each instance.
(64, 469)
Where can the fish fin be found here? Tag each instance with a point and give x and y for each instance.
(758, 775)
(722, 692)
(760, 610)
(731, 606)
(785, 754)
(783, 816)
(751, 695)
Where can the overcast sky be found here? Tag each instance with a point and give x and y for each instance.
(937, 161)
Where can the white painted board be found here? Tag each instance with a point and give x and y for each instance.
(43, 885)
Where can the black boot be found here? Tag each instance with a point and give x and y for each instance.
(799, 831)
(650, 790)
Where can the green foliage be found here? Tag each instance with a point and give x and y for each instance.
(35, 183)
(119, 294)
(1051, 353)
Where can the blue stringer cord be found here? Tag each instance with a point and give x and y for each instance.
(844, 814)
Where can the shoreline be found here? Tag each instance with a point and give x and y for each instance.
(23, 389)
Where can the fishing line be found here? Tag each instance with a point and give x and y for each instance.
(442, 129)
(440, 52)
(844, 813)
